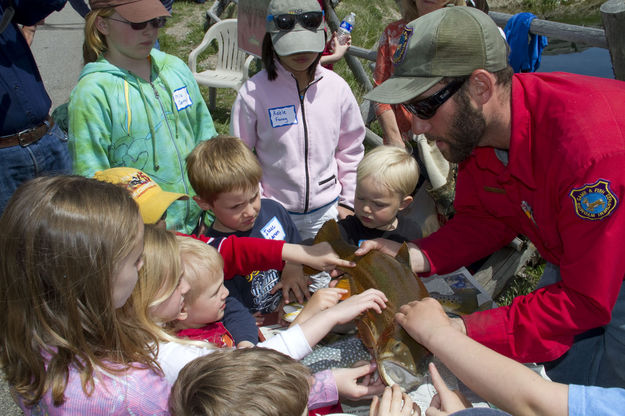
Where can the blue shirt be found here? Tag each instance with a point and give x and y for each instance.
(23, 98)
(254, 290)
(598, 401)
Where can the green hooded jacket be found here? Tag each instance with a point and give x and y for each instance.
(118, 119)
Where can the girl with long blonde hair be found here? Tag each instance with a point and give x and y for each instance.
(71, 250)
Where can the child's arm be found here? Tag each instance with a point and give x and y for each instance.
(298, 340)
(239, 322)
(350, 383)
(318, 326)
(321, 300)
(243, 255)
(507, 384)
(319, 256)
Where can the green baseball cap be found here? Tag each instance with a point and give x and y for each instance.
(449, 42)
(298, 39)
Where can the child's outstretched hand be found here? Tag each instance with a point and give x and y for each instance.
(293, 281)
(350, 388)
(446, 401)
(393, 403)
(353, 306)
(321, 300)
(318, 325)
(319, 256)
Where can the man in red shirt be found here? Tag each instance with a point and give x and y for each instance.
(540, 155)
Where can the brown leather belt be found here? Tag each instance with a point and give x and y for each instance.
(28, 136)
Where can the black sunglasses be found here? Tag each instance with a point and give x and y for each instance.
(157, 23)
(426, 108)
(308, 20)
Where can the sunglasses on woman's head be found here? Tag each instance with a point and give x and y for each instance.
(157, 23)
(427, 107)
(308, 20)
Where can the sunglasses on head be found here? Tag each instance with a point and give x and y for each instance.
(157, 23)
(426, 108)
(308, 20)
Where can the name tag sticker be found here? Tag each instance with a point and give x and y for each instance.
(282, 116)
(273, 230)
(182, 98)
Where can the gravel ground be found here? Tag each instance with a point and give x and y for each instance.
(7, 405)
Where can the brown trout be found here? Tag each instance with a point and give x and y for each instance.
(401, 360)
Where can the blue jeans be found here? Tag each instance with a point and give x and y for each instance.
(18, 164)
(597, 356)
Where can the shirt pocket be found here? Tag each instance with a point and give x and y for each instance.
(327, 182)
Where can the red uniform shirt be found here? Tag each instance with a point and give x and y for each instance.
(563, 188)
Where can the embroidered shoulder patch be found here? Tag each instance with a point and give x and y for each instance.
(594, 201)
(402, 46)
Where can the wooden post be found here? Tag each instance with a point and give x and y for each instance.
(212, 14)
(613, 16)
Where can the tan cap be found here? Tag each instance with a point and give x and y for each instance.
(298, 39)
(449, 42)
(135, 11)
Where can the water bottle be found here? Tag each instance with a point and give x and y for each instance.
(346, 28)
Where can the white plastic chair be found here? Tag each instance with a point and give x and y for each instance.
(231, 68)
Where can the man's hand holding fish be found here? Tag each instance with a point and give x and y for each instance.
(418, 262)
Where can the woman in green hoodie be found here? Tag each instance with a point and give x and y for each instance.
(135, 106)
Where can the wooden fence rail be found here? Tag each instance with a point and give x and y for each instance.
(612, 38)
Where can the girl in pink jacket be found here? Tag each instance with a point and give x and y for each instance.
(301, 119)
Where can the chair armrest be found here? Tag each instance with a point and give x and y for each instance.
(246, 67)
(209, 36)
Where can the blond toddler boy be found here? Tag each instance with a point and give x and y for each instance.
(385, 181)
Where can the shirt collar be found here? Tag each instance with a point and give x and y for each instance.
(520, 152)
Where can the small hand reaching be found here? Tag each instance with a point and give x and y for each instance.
(446, 401)
(353, 306)
(349, 386)
(393, 403)
(320, 300)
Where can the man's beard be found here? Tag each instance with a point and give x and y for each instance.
(465, 132)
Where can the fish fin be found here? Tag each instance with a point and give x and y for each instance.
(459, 303)
(403, 256)
(366, 333)
(466, 291)
(329, 232)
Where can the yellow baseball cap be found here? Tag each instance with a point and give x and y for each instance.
(152, 200)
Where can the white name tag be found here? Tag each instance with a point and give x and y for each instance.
(273, 230)
(282, 116)
(182, 98)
